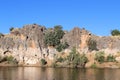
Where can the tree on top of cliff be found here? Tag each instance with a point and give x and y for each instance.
(1, 35)
(115, 32)
(11, 28)
(53, 38)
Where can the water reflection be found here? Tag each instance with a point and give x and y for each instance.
(37, 73)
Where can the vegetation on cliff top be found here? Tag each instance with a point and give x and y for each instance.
(53, 38)
(115, 32)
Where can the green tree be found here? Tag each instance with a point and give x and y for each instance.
(110, 58)
(115, 32)
(53, 36)
(92, 45)
(11, 28)
(100, 57)
(75, 58)
(43, 61)
(1, 35)
(62, 46)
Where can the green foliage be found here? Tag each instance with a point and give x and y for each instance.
(92, 44)
(65, 45)
(62, 46)
(83, 59)
(59, 48)
(43, 61)
(1, 35)
(10, 59)
(52, 37)
(0, 58)
(11, 28)
(59, 33)
(60, 59)
(54, 64)
(77, 59)
(110, 58)
(115, 32)
(72, 54)
(94, 65)
(99, 56)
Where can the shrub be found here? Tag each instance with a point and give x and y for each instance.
(62, 46)
(110, 58)
(99, 56)
(59, 48)
(10, 59)
(76, 58)
(54, 64)
(83, 59)
(92, 45)
(60, 59)
(0, 58)
(115, 32)
(94, 65)
(43, 61)
(1, 35)
(11, 28)
(52, 37)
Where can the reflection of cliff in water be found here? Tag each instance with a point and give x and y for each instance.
(36, 73)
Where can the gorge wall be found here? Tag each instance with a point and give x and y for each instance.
(27, 44)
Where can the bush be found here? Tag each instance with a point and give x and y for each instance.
(54, 64)
(83, 59)
(52, 37)
(43, 61)
(94, 65)
(1, 35)
(60, 59)
(59, 48)
(92, 45)
(62, 46)
(115, 32)
(76, 58)
(99, 56)
(10, 60)
(110, 58)
(11, 28)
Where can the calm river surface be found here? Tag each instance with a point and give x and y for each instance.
(37, 73)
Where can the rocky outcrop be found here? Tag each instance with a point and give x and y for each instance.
(27, 46)
(77, 38)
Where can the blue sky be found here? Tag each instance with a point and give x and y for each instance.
(97, 16)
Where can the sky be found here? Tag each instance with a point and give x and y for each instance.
(97, 16)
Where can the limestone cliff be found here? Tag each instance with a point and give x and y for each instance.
(27, 46)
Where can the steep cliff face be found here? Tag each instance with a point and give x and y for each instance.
(30, 36)
(27, 46)
(109, 43)
(77, 38)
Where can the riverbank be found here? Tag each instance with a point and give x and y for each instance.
(112, 65)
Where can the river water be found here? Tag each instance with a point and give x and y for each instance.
(37, 73)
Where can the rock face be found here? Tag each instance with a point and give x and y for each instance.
(77, 38)
(27, 46)
(108, 43)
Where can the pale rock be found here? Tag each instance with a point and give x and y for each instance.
(117, 59)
